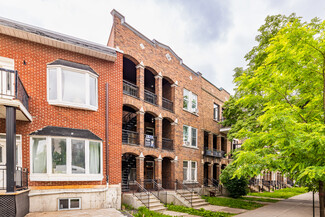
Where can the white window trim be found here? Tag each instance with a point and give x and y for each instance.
(189, 171)
(190, 137)
(189, 105)
(49, 176)
(218, 118)
(59, 101)
(19, 144)
(69, 199)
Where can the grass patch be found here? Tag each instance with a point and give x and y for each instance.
(127, 207)
(198, 212)
(233, 203)
(282, 193)
(260, 199)
(142, 211)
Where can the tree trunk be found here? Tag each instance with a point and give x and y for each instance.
(321, 199)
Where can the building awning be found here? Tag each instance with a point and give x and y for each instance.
(66, 132)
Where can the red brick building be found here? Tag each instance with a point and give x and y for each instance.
(171, 114)
(60, 120)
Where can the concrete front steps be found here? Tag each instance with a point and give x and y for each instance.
(197, 201)
(139, 200)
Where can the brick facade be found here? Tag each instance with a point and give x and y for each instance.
(33, 75)
(152, 55)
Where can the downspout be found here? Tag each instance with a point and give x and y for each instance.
(106, 129)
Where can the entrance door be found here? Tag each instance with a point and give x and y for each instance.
(149, 173)
(206, 174)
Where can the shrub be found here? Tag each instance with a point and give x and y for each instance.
(198, 212)
(143, 211)
(236, 187)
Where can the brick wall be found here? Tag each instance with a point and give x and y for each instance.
(33, 76)
(154, 57)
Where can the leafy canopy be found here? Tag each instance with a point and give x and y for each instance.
(278, 107)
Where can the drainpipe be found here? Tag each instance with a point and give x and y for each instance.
(106, 128)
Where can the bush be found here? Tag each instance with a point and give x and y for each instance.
(236, 187)
(198, 212)
(143, 211)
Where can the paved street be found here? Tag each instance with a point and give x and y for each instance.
(297, 206)
(110, 212)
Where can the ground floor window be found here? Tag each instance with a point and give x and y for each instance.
(189, 171)
(65, 159)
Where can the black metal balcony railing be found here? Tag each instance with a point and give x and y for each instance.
(150, 141)
(130, 137)
(167, 144)
(11, 87)
(21, 178)
(167, 104)
(130, 89)
(208, 152)
(150, 97)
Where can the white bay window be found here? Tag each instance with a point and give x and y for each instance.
(72, 87)
(65, 159)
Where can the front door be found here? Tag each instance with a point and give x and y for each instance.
(149, 171)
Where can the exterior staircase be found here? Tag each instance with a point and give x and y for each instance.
(154, 204)
(191, 199)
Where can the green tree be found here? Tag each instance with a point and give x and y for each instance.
(236, 186)
(282, 95)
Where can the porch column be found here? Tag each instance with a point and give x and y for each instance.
(219, 143)
(140, 80)
(173, 94)
(210, 170)
(173, 176)
(218, 171)
(140, 126)
(210, 141)
(158, 169)
(140, 168)
(11, 147)
(158, 88)
(158, 129)
(173, 133)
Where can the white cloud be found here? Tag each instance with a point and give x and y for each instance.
(179, 24)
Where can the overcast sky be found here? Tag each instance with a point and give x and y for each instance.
(211, 36)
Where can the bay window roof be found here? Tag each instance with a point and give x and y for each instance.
(66, 132)
(67, 63)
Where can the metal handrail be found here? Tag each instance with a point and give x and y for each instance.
(138, 191)
(181, 186)
(167, 144)
(167, 104)
(130, 137)
(21, 178)
(156, 189)
(130, 89)
(150, 97)
(208, 152)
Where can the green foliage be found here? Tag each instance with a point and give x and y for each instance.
(143, 211)
(128, 207)
(236, 186)
(198, 212)
(259, 199)
(282, 193)
(233, 203)
(278, 109)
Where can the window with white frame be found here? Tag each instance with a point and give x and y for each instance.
(190, 101)
(216, 111)
(72, 87)
(189, 171)
(65, 159)
(18, 150)
(189, 136)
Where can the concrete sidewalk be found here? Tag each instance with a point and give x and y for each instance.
(297, 206)
(110, 212)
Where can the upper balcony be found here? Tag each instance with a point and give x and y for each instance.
(13, 93)
(145, 84)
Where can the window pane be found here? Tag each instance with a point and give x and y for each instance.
(39, 155)
(185, 134)
(59, 156)
(1, 160)
(52, 83)
(64, 203)
(16, 154)
(193, 137)
(74, 204)
(92, 90)
(185, 169)
(194, 102)
(78, 156)
(185, 99)
(94, 157)
(73, 87)
(193, 174)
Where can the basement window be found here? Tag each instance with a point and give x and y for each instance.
(72, 87)
(69, 203)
